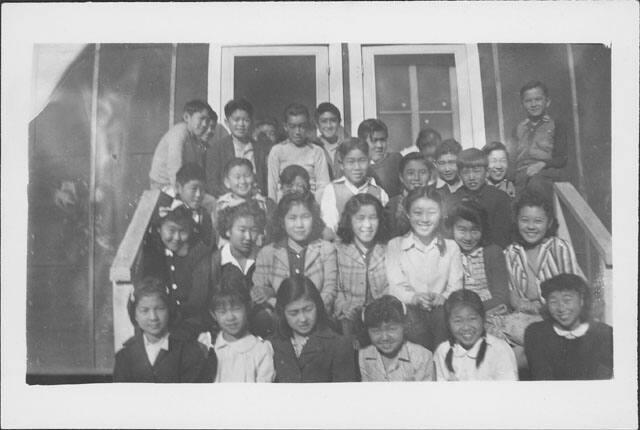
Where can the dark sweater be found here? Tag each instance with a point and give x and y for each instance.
(495, 268)
(553, 357)
(498, 207)
(386, 173)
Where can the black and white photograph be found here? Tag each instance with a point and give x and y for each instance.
(417, 216)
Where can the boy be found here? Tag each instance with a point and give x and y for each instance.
(427, 142)
(472, 164)
(446, 161)
(266, 133)
(298, 150)
(354, 158)
(384, 165)
(498, 159)
(330, 135)
(190, 190)
(182, 143)
(539, 142)
(415, 171)
(239, 180)
(238, 114)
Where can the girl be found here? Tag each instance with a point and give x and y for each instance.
(297, 250)
(294, 178)
(362, 276)
(241, 356)
(471, 353)
(154, 354)
(536, 256)
(423, 267)
(568, 345)
(170, 254)
(305, 348)
(485, 271)
(391, 357)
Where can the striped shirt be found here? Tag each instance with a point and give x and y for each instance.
(556, 256)
(475, 278)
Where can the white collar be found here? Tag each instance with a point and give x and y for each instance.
(161, 344)
(241, 345)
(572, 334)
(472, 352)
(227, 257)
(356, 190)
(453, 188)
(410, 240)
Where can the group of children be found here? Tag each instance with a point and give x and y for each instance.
(342, 261)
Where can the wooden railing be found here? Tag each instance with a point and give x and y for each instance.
(124, 266)
(596, 237)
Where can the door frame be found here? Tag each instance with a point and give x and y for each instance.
(469, 84)
(329, 86)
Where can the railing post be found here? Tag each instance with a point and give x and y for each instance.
(122, 326)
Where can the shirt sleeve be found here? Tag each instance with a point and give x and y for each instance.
(273, 167)
(384, 197)
(559, 156)
(398, 281)
(322, 171)
(328, 208)
(263, 265)
(456, 271)
(441, 371)
(364, 369)
(425, 369)
(175, 146)
(193, 367)
(506, 368)
(330, 267)
(265, 371)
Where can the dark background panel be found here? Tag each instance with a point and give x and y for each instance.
(489, 95)
(192, 68)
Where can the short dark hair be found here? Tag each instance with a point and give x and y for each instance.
(370, 126)
(472, 157)
(190, 172)
(422, 141)
(345, 229)
(531, 85)
(229, 215)
(238, 104)
(285, 204)
(447, 146)
(150, 286)
(494, 146)
(348, 145)
(233, 290)
(469, 210)
(414, 156)
(531, 198)
(194, 106)
(384, 310)
(235, 162)
(180, 215)
(291, 172)
(295, 109)
(292, 289)
(328, 107)
(569, 282)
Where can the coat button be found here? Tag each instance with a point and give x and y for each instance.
(174, 287)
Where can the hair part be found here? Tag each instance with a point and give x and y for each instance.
(345, 226)
(292, 289)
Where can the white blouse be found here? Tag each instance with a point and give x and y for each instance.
(249, 359)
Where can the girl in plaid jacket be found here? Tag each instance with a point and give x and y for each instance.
(362, 276)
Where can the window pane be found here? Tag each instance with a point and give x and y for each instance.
(399, 126)
(442, 122)
(434, 91)
(271, 83)
(392, 87)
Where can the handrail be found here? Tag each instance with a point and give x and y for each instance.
(125, 259)
(587, 219)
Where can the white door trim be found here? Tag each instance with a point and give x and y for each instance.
(471, 108)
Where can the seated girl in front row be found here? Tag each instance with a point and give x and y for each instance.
(423, 268)
(362, 276)
(568, 346)
(297, 250)
(305, 348)
(154, 354)
(391, 357)
(471, 353)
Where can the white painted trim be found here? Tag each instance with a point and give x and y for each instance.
(355, 88)
(213, 80)
(475, 85)
(336, 89)
(498, 82)
(467, 63)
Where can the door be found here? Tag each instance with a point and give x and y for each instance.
(272, 77)
(411, 87)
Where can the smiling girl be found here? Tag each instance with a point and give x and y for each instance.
(423, 267)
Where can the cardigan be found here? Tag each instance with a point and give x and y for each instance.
(221, 153)
(353, 275)
(272, 267)
(553, 357)
(184, 362)
(497, 277)
(326, 357)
